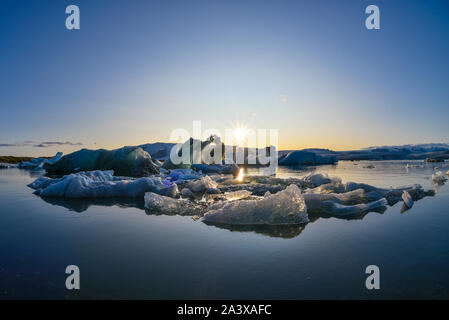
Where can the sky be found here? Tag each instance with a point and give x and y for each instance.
(137, 70)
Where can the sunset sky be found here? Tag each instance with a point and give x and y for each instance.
(136, 70)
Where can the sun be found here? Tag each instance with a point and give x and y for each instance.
(240, 134)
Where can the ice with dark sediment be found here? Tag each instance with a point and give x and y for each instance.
(340, 210)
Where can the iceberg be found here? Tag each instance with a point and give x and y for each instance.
(285, 207)
(39, 163)
(193, 157)
(126, 161)
(100, 184)
(158, 150)
(305, 158)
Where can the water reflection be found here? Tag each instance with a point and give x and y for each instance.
(81, 205)
(275, 231)
(358, 216)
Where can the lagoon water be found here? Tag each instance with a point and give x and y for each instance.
(123, 252)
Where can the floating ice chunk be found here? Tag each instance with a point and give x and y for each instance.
(126, 161)
(371, 193)
(317, 202)
(336, 187)
(156, 203)
(438, 177)
(213, 191)
(181, 175)
(201, 185)
(237, 195)
(284, 207)
(99, 184)
(7, 165)
(217, 168)
(91, 176)
(337, 209)
(187, 193)
(408, 200)
(257, 189)
(317, 179)
(38, 163)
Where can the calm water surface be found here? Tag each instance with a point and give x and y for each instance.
(123, 252)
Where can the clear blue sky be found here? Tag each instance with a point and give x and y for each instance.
(136, 70)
